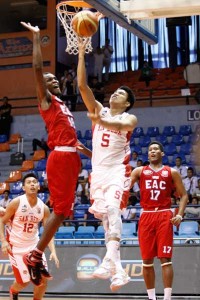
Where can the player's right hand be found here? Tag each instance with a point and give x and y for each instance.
(5, 247)
(34, 29)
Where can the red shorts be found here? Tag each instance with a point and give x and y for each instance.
(156, 234)
(62, 174)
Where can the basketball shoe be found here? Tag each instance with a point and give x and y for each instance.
(36, 268)
(118, 280)
(105, 270)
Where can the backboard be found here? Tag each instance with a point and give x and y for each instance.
(146, 30)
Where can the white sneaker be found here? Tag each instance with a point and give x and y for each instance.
(118, 280)
(105, 270)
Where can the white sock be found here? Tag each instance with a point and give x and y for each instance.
(167, 293)
(151, 294)
(112, 250)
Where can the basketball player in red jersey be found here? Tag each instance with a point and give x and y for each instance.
(157, 183)
(63, 163)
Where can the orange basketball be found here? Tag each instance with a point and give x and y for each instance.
(85, 23)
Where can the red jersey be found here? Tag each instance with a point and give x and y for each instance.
(60, 124)
(156, 188)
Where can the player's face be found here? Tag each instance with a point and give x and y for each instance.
(31, 185)
(119, 98)
(154, 153)
(52, 84)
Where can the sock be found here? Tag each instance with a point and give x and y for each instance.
(167, 293)
(112, 250)
(151, 294)
(118, 261)
(13, 293)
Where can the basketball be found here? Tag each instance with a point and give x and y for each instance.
(85, 23)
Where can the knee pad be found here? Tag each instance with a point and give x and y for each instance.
(147, 265)
(115, 222)
(166, 264)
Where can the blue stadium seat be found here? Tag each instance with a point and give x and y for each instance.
(79, 134)
(17, 188)
(43, 196)
(84, 232)
(188, 228)
(3, 138)
(88, 134)
(144, 141)
(41, 165)
(165, 160)
(185, 149)
(177, 139)
(99, 233)
(137, 132)
(129, 229)
(153, 131)
(88, 165)
(170, 149)
(185, 130)
(162, 139)
(65, 232)
(169, 130)
(137, 148)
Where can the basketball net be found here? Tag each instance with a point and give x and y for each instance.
(66, 10)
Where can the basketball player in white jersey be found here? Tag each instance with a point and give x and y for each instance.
(110, 177)
(22, 216)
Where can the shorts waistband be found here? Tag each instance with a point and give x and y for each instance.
(156, 209)
(65, 148)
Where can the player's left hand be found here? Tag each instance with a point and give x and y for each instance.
(94, 117)
(176, 220)
(54, 257)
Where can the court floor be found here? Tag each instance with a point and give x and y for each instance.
(114, 297)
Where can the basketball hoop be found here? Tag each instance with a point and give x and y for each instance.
(65, 12)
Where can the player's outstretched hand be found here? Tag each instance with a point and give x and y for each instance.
(34, 29)
(5, 247)
(54, 257)
(82, 43)
(176, 220)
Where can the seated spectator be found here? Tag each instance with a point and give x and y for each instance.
(146, 73)
(192, 211)
(44, 183)
(139, 163)
(92, 221)
(180, 168)
(82, 194)
(134, 159)
(197, 190)
(190, 182)
(98, 89)
(129, 213)
(6, 200)
(41, 143)
(5, 117)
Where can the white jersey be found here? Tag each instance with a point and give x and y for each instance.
(24, 225)
(110, 147)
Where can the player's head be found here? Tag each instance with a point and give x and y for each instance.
(28, 175)
(155, 152)
(52, 83)
(30, 183)
(131, 96)
(122, 98)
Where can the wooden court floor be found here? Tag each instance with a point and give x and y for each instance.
(114, 297)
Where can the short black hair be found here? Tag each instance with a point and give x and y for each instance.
(29, 175)
(157, 143)
(131, 96)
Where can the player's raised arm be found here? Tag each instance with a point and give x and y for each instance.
(86, 92)
(42, 91)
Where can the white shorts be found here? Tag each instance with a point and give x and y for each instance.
(19, 268)
(108, 187)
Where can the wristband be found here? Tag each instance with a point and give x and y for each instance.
(180, 217)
